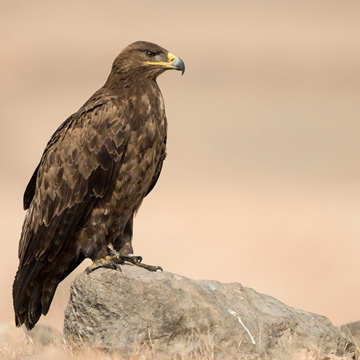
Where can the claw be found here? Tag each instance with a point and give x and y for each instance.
(117, 267)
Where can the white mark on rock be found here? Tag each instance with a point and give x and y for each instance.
(243, 325)
(212, 287)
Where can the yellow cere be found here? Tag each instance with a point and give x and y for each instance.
(172, 58)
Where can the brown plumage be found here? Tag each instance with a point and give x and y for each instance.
(92, 177)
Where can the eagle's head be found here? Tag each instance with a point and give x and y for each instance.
(143, 59)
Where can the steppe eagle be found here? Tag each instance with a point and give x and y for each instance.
(92, 177)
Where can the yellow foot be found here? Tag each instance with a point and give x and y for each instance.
(112, 262)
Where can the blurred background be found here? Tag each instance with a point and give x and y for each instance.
(262, 181)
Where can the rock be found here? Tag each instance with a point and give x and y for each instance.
(119, 311)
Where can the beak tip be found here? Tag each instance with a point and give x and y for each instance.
(179, 65)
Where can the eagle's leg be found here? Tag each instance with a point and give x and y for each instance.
(122, 253)
(123, 246)
(122, 243)
(113, 260)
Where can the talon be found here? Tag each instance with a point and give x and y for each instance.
(138, 259)
(117, 267)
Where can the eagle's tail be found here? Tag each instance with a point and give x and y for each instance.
(34, 288)
(30, 299)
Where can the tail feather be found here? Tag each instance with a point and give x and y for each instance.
(34, 307)
(34, 288)
(48, 293)
(27, 292)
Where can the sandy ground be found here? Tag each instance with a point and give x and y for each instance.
(262, 180)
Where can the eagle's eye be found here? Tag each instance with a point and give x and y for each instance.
(150, 53)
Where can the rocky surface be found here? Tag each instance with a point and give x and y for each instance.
(118, 311)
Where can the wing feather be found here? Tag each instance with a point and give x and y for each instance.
(75, 171)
